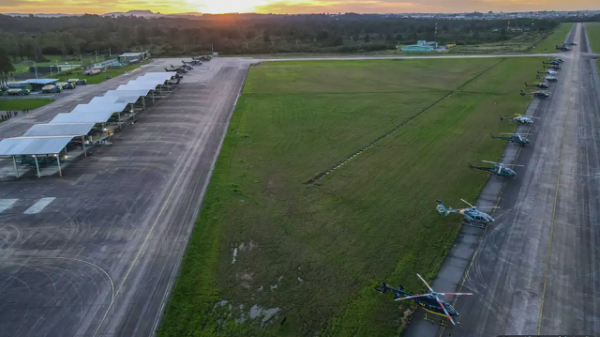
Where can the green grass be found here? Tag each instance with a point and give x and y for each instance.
(23, 67)
(522, 43)
(593, 30)
(316, 251)
(95, 79)
(23, 103)
(559, 36)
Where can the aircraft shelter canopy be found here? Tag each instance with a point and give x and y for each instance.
(164, 75)
(66, 129)
(137, 86)
(149, 80)
(92, 117)
(104, 107)
(33, 146)
(128, 92)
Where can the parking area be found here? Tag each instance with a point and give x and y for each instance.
(94, 252)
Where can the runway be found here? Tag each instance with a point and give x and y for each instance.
(537, 270)
(96, 252)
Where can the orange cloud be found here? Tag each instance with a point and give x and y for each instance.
(290, 6)
(424, 6)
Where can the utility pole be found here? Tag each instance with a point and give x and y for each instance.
(212, 48)
(35, 66)
(96, 56)
(109, 53)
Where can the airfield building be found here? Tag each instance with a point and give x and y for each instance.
(421, 45)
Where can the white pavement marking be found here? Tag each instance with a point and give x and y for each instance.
(39, 206)
(6, 204)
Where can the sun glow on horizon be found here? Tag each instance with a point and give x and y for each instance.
(230, 6)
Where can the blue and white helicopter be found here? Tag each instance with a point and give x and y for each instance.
(430, 302)
(472, 216)
(499, 169)
(519, 118)
(515, 138)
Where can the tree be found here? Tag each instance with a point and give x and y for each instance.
(6, 67)
(367, 39)
(338, 41)
(267, 37)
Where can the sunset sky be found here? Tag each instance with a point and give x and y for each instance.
(289, 6)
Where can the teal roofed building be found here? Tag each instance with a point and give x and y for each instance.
(421, 45)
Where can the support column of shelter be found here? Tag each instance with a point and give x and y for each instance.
(37, 166)
(83, 146)
(58, 161)
(16, 168)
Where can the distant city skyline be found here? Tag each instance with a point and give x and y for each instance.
(292, 6)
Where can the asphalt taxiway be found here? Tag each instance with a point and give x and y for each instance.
(536, 270)
(96, 252)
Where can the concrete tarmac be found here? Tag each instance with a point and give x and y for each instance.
(96, 252)
(536, 269)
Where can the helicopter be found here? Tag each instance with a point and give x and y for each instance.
(551, 78)
(557, 59)
(514, 138)
(554, 62)
(187, 65)
(551, 66)
(430, 302)
(179, 70)
(499, 169)
(473, 216)
(195, 62)
(548, 72)
(538, 94)
(563, 48)
(519, 119)
(540, 85)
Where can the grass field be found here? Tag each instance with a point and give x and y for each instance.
(23, 67)
(520, 44)
(22, 104)
(312, 253)
(593, 31)
(559, 36)
(95, 79)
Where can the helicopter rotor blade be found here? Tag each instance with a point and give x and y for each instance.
(411, 297)
(445, 311)
(488, 161)
(455, 294)
(463, 200)
(427, 284)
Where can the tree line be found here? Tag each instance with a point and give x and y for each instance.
(32, 37)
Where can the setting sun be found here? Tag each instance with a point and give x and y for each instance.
(230, 6)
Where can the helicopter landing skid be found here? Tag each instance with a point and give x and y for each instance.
(475, 225)
(435, 318)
